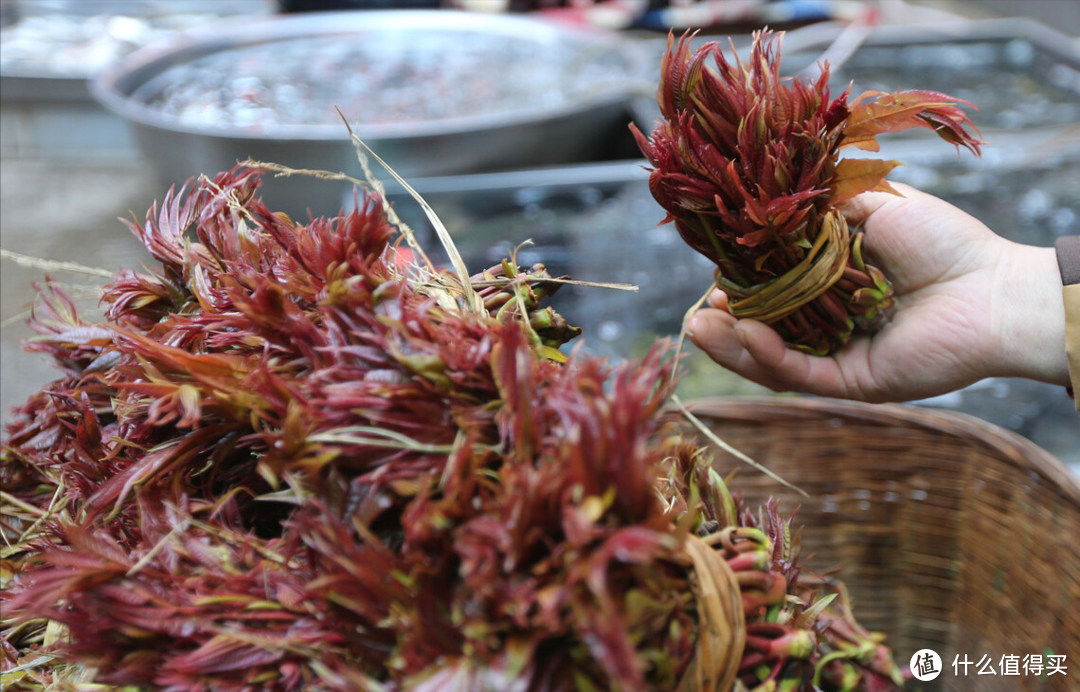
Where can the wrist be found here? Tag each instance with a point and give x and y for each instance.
(1028, 315)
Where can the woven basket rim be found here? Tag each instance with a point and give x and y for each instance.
(1019, 451)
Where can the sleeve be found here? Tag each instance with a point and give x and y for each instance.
(1068, 256)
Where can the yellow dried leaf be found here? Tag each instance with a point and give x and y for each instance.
(592, 508)
(54, 632)
(855, 176)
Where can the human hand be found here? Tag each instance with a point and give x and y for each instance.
(969, 305)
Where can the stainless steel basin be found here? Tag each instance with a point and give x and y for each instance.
(574, 129)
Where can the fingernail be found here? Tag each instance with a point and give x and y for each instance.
(688, 326)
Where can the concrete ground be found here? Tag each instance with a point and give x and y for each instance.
(61, 210)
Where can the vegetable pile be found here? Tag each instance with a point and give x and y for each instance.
(746, 164)
(291, 459)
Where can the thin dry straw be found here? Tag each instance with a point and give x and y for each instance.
(377, 437)
(157, 548)
(682, 332)
(52, 265)
(715, 439)
(472, 299)
(281, 171)
(502, 281)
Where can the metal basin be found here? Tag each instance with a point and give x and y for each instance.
(49, 49)
(572, 126)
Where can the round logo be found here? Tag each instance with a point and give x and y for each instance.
(925, 664)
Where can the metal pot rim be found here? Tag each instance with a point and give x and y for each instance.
(113, 86)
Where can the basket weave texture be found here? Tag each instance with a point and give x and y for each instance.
(953, 534)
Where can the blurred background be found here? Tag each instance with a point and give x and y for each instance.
(511, 117)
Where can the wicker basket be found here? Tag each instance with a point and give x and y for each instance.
(953, 534)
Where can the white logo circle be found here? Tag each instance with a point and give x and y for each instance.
(925, 664)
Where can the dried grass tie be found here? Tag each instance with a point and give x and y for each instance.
(816, 273)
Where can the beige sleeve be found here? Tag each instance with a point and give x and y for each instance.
(1068, 256)
(1072, 337)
